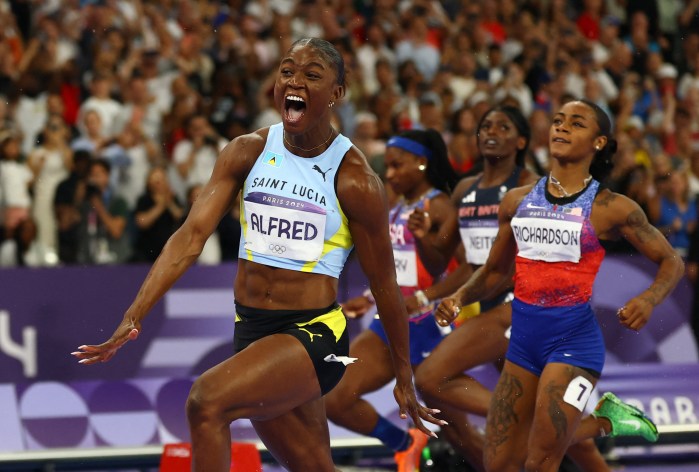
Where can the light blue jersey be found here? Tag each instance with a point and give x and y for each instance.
(290, 215)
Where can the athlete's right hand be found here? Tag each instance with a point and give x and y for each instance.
(447, 311)
(91, 354)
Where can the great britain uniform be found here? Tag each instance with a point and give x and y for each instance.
(412, 276)
(478, 225)
(558, 257)
(291, 218)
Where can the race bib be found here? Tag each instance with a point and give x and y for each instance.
(406, 267)
(284, 227)
(546, 235)
(478, 240)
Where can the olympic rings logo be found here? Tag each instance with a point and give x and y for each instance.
(276, 248)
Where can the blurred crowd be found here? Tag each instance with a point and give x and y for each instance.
(112, 112)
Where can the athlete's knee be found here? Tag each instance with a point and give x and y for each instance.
(428, 381)
(201, 405)
(422, 381)
(334, 404)
(339, 400)
(543, 458)
(502, 457)
(541, 464)
(307, 458)
(500, 463)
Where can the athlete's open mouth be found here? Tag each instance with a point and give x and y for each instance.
(294, 107)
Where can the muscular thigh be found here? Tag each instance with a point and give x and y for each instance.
(510, 414)
(298, 439)
(561, 398)
(247, 385)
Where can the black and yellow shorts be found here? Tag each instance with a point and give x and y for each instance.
(321, 331)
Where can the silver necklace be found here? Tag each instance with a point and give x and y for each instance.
(311, 149)
(556, 183)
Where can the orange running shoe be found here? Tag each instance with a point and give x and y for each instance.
(409, 460)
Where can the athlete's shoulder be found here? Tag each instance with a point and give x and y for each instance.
(612, 203)
(463, 185)
(355, 157)
(355, 170)
(360, 190)
(248, 145)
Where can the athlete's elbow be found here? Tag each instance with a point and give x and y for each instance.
(673, 265)
(189, 242)
(679, 261)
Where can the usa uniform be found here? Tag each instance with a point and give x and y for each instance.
(558, 258)
(411, 276)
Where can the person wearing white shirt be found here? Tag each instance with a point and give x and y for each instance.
(195, 156)
(100, 101)
(369, 53)
(15, 181)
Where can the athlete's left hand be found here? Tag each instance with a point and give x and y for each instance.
(419, 223)
(410, 407)
(635, 314)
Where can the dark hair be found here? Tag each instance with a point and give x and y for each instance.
(602, 162)
(517, 118)
(439, 171)
(328, 52)
(82, 155)
(101, 162)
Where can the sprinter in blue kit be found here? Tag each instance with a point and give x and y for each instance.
(549, 234)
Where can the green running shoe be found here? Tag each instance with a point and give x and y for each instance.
(626, 420)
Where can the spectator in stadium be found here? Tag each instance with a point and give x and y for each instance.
(50, 162)
(195, 156)
(157, 215)
(101, 101)
(68, 200)
(673, 211)
(17, 227)
(103, 237)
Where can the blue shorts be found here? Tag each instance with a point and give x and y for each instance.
(424, 337)
(569, 335)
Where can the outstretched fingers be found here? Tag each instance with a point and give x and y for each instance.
(410, 407)
(428, 414)
(92, 354)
